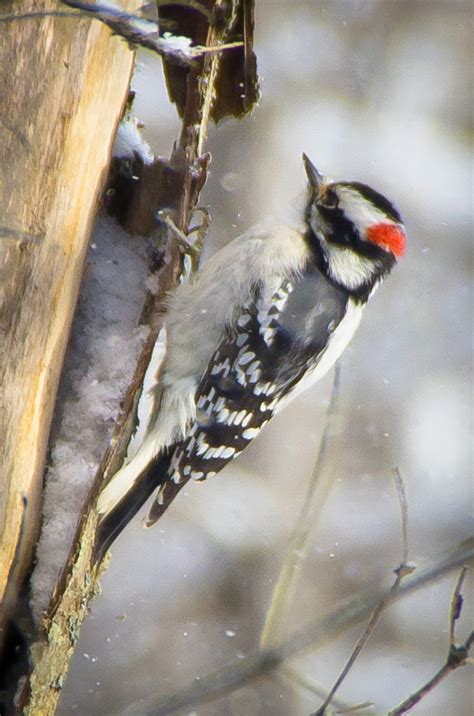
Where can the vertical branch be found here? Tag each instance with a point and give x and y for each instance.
(458, 654)
(314, 500)
(403, 570)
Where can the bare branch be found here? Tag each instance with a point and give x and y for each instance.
(402, 571)
(458, 655)
(316, 495)
(403, 503)
(296, 677)
(358, 709)
(137, 31)
(456, 606)
(311, 636)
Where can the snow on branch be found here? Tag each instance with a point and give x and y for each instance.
(142, 32)
(137, 31)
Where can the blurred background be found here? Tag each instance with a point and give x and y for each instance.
(379, 92)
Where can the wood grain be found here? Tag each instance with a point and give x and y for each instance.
(63, 83)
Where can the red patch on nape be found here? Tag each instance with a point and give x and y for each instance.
(389, 236)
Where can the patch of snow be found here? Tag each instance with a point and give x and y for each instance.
(104, 346)
(177, 43)
(129, 141)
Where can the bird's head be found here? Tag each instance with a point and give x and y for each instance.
(357, 231)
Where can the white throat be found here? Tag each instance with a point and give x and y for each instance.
(348, 268)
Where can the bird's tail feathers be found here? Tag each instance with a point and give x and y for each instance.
(117, 506)
(125, 479)
(165, 497)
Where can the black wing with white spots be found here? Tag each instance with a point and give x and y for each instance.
(276, 339)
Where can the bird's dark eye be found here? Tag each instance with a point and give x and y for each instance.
(329, 199)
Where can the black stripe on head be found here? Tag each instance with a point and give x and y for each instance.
(378, 200)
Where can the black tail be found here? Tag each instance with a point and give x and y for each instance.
(115, 521)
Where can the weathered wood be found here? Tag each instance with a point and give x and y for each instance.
(63, 83)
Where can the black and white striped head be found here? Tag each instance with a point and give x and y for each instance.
(357, 232)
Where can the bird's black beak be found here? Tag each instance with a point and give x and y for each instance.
(314, 177)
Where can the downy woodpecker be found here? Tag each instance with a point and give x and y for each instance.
(262, 320)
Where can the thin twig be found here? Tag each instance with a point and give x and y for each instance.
(305, 681)
(357, 709)
(402, 571)
(403, 502)
(145, 33)
(458, 654)
(311, 636)
(316, 496)
(456, 606)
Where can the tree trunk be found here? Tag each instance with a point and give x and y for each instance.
(63, 86)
